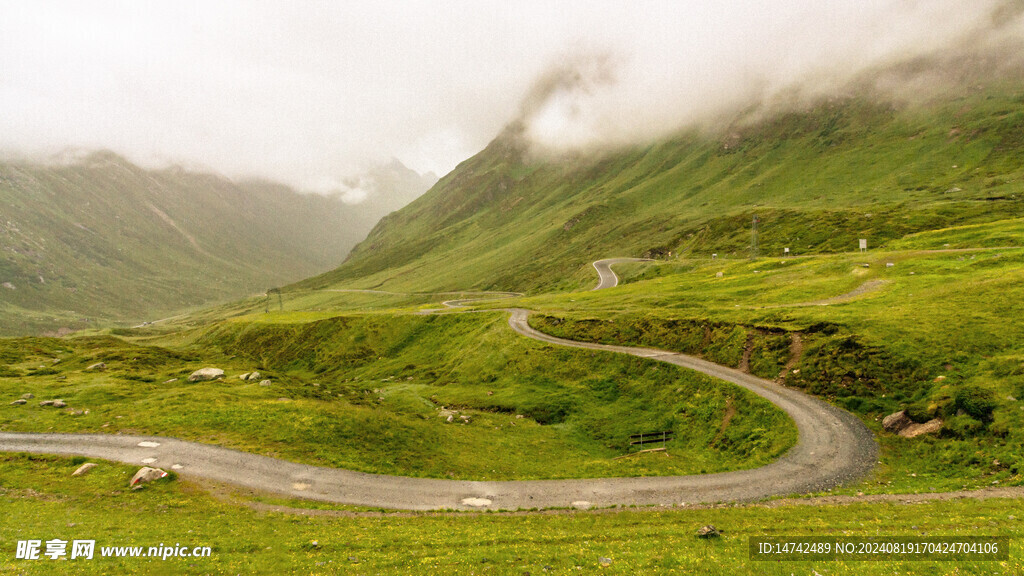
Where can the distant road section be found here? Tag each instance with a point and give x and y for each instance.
(607, 278)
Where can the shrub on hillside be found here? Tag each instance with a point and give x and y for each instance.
(962, 426)
(979, 403)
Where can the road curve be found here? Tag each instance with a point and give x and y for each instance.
(607, 278)
(834, 447)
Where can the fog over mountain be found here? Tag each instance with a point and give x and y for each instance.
(317, 94)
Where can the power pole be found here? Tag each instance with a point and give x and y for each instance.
(753, 241)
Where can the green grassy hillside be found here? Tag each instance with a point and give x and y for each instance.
(101, 239)
(374, 393)
(818, 179)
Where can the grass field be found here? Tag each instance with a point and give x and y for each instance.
(374, 393)
(39, 500)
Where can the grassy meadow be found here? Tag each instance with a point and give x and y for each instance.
(40, 500)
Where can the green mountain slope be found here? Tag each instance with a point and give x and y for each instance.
(818, 179)
(102, 239)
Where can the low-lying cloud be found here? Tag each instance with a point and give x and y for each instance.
(900, 51)
(312, 93)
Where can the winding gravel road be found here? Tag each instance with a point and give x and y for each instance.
(834, 447)
(607, 278)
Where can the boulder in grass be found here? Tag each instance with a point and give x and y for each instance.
(19, 402)
(254, 376)
(708, 531)
(915, 430)
(45, 403)
(265, 383)
(59, 404)
(244, 376)
(147, 474)
(897, 422)
(204, 374)
(97, 366)
(84, 469)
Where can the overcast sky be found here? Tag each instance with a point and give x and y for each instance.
(311, 92)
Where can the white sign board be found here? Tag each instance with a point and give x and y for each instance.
(863, 244)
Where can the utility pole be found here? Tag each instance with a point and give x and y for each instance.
(753, 241)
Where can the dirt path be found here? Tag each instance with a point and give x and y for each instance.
(865, 288)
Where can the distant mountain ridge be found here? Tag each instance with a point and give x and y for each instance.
(818, 178)
(100, 238)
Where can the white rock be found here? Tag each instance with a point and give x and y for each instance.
(147, 474)
(476, 502)
(204, 374)
(148, 444)
(84, 469)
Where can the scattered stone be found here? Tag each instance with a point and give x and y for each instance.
(61, 377)
(896, 422)
(520, 416)
(889, 264)
(59, 404)
(581, 505)
(605, 562)
(19, 402)
(476, 502)
(147, 474)
(28, 396)
(265, 383)
(46, 403)
(84, 469)
(98, 366)
(204, 374)
(939, 378)
(720, 275)
(148, 460)
(254, 376)
(708, 531)
(244, 376)
(171, 380)
(72, 412)
(176, 467)
(148, 444)
(915, 430)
